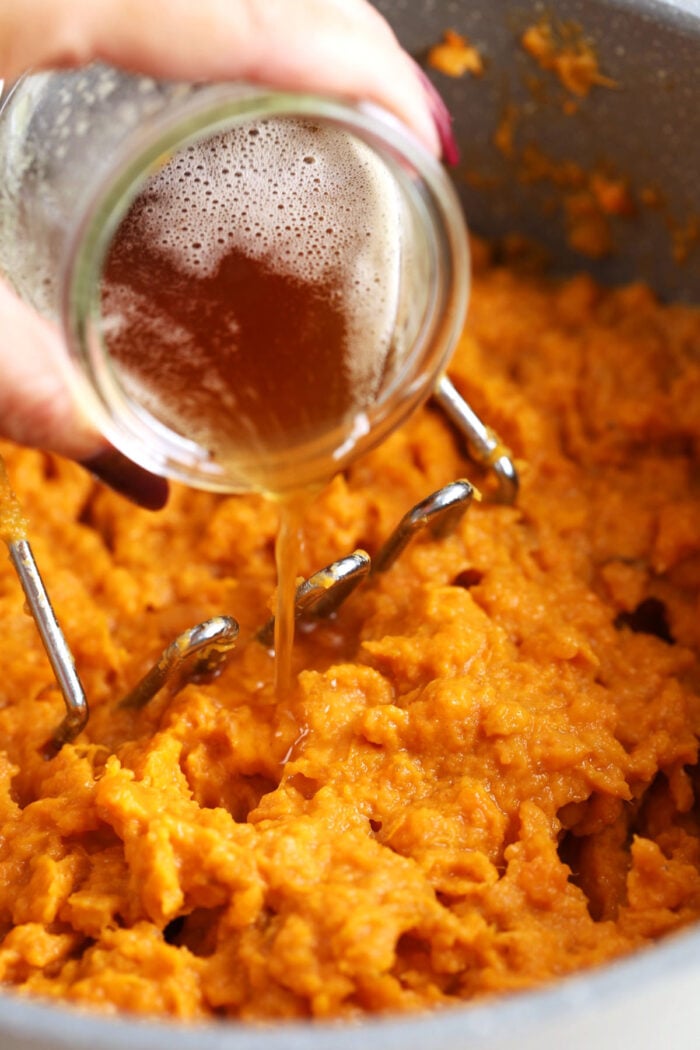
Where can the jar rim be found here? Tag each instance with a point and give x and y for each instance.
(204, 112)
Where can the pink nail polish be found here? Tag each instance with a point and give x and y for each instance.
(442, 118)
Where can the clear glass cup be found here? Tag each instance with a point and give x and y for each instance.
(79, 148)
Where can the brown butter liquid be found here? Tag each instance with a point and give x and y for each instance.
(247, 358)
(257, 365)
(265, 373)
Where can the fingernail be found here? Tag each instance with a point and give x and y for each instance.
(128, 479)
(441, 118)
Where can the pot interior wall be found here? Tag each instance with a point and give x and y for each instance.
(645, 130)
(642, 131)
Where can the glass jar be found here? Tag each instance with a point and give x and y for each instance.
(85, 153)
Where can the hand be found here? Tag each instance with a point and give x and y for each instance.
(341, 47)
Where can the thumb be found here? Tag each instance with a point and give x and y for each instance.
(37, 407)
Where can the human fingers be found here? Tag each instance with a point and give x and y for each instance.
(37, 407)
(340, 47)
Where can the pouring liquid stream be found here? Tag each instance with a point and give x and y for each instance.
(287, 548)
(254, 314)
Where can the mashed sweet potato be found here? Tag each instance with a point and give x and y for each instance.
(485, 777)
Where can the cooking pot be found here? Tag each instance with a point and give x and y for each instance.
(643, 129)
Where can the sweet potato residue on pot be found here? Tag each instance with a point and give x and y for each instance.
(562, 49)
(455, 56)
(486, 776)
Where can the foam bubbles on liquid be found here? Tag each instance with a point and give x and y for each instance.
(311, 201)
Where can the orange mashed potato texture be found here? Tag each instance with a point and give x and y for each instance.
(485, 775)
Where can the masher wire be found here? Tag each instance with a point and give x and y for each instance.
(53, 640)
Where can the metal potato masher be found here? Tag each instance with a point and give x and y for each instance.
(202, 650)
